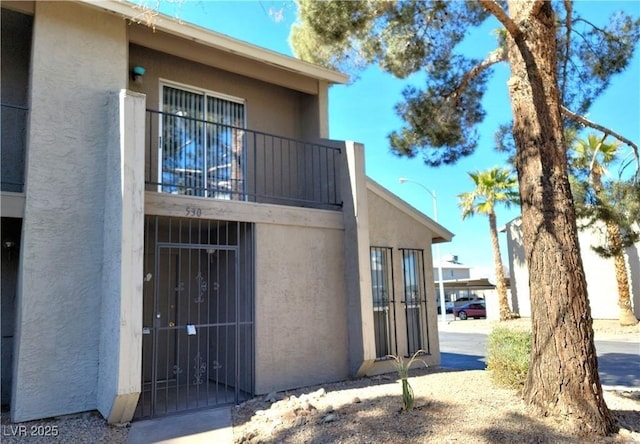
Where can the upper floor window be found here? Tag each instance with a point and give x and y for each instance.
(202, 147)
(16, 30)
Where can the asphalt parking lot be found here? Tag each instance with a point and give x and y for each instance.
(463, 346)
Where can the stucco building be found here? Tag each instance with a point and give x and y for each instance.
(462, 283)
(178, 232)
(599, 273)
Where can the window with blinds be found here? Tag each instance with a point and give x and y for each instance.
(202, 144)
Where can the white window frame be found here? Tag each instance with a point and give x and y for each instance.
(162, 82)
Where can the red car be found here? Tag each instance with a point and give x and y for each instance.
(471, 310)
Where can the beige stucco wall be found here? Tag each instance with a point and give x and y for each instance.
(389, 227)
(599, 273)
(301, 311)
(255, 63)
(78, 59)
(121, 313)
(269, 108)
(273, 166)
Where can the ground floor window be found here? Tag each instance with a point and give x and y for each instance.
(415, 300)
(384, 316)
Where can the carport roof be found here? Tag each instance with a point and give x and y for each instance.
(477, 283)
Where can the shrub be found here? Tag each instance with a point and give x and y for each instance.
(508, 356)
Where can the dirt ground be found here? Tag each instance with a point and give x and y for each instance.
(451, 407)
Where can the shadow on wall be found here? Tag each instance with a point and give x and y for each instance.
(517, 262)
(634, 258)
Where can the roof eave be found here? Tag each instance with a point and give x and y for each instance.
(222, 42)
(439, 233)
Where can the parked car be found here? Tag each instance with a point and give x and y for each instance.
(448, 305)
(466, 299)
(476, 309)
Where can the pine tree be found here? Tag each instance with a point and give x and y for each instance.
(559, 64)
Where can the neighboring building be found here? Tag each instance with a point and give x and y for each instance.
(452, 269)
(177, 230)
(599, 273)
(463, 283)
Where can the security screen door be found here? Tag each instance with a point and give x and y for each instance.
(202, 144)
(194, 335)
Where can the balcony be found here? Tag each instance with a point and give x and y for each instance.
(196, 157)
(14, 137)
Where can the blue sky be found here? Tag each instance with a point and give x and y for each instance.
(363, 112)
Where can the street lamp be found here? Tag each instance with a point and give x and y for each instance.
(443, 308)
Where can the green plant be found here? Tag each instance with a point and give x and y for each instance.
(402, 367)
(508, 353)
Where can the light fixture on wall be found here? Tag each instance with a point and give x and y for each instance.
(137, 73)
(8, 245)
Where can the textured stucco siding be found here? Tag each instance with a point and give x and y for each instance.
(389, 227)
(362, 349)
(79, 59)
(269, 108)
(121, 315)
(301, 312)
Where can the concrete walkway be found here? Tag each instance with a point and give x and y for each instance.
(206, 426)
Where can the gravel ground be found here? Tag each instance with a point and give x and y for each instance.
(451, 407)
(83, 428)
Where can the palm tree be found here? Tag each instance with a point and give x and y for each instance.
(594, 155)
(496, 185)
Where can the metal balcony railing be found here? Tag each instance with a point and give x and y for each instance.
(13, 144)
(202, 158)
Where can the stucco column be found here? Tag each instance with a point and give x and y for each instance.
(79, 55)
(121, 320)
(323, 108)
(362, 347)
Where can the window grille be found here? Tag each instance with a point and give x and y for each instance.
(415, 300)
(384, 313)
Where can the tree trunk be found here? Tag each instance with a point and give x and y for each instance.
(501, 286)
(627, 317)
(563, 379)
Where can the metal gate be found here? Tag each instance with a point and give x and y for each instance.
(198, 317)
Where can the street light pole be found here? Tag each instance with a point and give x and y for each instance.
(443, 308)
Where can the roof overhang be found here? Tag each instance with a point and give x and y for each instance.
(478, 283)
(439, 233)
(221, 42)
